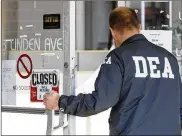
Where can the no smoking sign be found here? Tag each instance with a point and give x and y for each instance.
(26, 66)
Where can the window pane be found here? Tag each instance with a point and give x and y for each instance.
(33, 28)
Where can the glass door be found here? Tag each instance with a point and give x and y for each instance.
(35, 59)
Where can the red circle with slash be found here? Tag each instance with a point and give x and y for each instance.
(28, 70)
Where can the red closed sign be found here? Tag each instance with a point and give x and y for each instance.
(43, 81)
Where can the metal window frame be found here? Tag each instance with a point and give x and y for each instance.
(123, 3)
(143, 12)
(1, 59)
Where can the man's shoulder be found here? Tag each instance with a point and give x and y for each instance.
(115, 53)
(165, 52)
(113, 57)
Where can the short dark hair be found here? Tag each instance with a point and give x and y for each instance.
(123, 18)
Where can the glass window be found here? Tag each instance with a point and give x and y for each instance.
(33, 28)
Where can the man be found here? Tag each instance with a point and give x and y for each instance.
(139, 80)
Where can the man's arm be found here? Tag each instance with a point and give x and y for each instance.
(107, 91)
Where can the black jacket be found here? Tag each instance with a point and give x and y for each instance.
(141, 82)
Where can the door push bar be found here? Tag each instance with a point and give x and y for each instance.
(50, 115)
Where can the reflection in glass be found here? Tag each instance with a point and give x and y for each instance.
(156, 15)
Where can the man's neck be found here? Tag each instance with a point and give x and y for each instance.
(127, 34)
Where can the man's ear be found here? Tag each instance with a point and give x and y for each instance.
(139, 27)
(111, 30)
(113, 33)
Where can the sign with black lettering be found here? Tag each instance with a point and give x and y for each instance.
(43, 81)
(158, 37)
(8, 76)
(51, 21)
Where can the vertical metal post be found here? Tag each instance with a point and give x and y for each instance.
(170, 14)
(69, 58)
(50, 114)
(72, 119)
(143, 15)
(1, 59)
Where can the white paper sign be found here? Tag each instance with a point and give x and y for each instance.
(8, 82)
(159, 37)
(42, 89)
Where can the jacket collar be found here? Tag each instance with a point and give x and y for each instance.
(133, 38)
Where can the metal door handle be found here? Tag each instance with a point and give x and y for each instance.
(49, 121)
(61, 121)
(50, 128)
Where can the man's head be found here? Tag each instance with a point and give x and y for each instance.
(123, 23)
